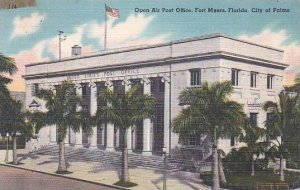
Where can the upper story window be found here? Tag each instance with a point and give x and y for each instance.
(253, 119)
(161, 86)
(84, 89)
(195, 77)
(234, 77)
(35, 89)
(253, 77)
(269, 81)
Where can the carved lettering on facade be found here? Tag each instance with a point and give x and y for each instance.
(111, 73)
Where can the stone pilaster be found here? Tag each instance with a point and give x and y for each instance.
(127, 85)
(147, 122)
(110, 126)
(166, 80)
(78, 135)
(93, 106)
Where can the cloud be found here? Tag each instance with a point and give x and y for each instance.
(27, 25)
(48, 47)
(127, 33)
(123, 34)
(278, 39)
(289, 77)
(23, 58)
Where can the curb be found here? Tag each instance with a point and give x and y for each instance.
(67, 177)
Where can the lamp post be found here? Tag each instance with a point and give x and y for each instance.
(6, 155)
(165, 157)
(34, 107)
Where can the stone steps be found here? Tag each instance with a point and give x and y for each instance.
(114, 158)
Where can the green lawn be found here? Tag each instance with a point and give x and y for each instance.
(243, 180)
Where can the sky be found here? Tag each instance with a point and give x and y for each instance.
(30, 34)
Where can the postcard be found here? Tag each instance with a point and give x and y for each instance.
(149, 94)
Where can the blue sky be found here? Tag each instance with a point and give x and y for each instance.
(30, 34)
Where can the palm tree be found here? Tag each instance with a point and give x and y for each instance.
(13, 121)
(284, 116)
(7, 66)
(254, 146)
(61, 111)
(293, 133)
(222, 176)
(7, 104)
(211, 111)
(125, 111)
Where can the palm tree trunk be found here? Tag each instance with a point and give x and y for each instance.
(216, 181)
(124, 169)
(281, 168)
(15, 149)
(252, 166)
(221, 171)
(62, 165)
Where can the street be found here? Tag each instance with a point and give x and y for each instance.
(18, 179)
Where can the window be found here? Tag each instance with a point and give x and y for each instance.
(195, 77)
(232, 140)
(161, 86)
(234, 77)
(269, 117)
(35, 89)
(269, 81)
(253, 79)
(84, 89)
(194, 140)
(253, 119)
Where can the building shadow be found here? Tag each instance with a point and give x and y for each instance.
(26, 156)
(103, 168)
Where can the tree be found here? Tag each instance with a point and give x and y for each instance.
(125, 111)
(7, 67)
(292, 135)
(254, 146)
(211, 111)
(12, 119)
(61, 111)
(14, 122)
(282, 117)
(222, 177)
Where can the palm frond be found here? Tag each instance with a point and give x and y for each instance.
(7, 65)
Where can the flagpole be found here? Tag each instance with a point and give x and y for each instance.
(105, 28)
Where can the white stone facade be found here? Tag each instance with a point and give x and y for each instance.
(214, 55)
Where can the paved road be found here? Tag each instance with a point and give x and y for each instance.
(18, 179)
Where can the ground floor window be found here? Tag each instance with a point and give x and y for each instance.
(193, 140)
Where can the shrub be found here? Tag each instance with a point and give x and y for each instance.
(236, 161)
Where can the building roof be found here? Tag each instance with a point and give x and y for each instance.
(214, 46)
(139, 47)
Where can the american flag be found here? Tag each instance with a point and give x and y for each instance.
(112, 12)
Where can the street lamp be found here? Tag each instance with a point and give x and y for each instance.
(6, 156)
(165, 156)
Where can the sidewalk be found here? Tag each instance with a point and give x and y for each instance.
(108, 174)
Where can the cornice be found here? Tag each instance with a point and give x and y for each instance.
(161, 62)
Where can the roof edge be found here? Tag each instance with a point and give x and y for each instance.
(133, 48)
